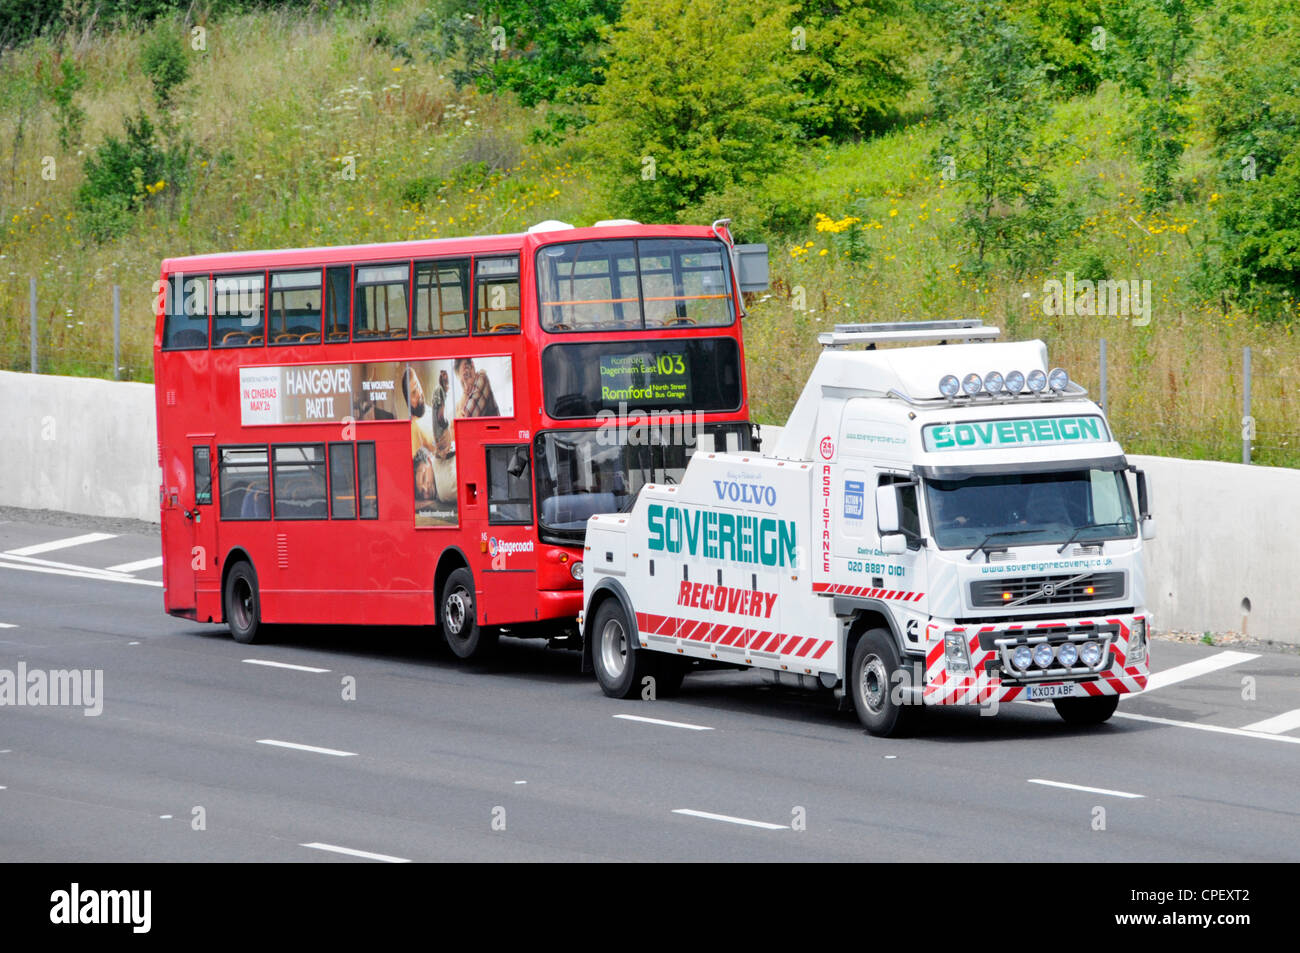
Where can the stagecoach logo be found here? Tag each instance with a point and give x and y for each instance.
(505, 547)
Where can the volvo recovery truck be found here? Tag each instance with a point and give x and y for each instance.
(944, 524)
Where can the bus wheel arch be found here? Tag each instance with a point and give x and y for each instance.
(451, 559)
(458, 614)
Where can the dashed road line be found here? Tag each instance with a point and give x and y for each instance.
(152, 563)
(1180, 673)
(1277, 724)
(296, 668)
(1218, 729)
(1081, 787)
(312, 748)
(353, 852)
(60, 544)
(731, 820)
(660, 721)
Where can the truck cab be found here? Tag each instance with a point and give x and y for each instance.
(948, 524)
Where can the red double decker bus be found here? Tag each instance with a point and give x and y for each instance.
(416, 433)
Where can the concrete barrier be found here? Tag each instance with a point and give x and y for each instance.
(1228, 536)
(1227, 539)
(78, 444)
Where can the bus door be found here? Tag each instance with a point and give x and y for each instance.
(190, 521)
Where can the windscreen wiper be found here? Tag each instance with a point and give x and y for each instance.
(1001, 532)
(1075, 534)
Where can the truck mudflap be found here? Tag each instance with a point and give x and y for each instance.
(990, 648)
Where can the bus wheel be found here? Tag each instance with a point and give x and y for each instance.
(620, 666)
(243, 605)
(1086, 711)
(459, 615)
(872, 682)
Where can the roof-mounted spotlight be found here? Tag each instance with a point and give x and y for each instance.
(1058, 380)
(1015, 382)
(949, 386)
(1036, 380)
(971, 384)
(993, 382)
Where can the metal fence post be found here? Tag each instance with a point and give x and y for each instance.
(1102, 395)
(117, 331)
(1247, 424)
(33, 314)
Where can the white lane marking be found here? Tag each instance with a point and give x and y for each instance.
(7, 625)
(1180, 673)
(352, 852)
(296, 668)
(84, 574)
(151, 563)
(521, 782)
(1080, 787)
(660, 721)
(164, 817)
(60, 544)
(1240, 732)
(1277, 724)
(730, 820)
(311, 748)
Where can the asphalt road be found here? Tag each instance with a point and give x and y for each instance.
(192, 757)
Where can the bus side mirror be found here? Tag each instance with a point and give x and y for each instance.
(518, 463)
(887, 520)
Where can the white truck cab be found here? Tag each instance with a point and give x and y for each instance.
(937, 525)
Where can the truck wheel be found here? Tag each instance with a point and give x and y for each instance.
(669, 674)
(1087, 711)
(459, 617)
(872, 682)
(620, 666)
(243, 605)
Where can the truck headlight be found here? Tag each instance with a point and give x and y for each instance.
(954, 647)
(1137, 641)
(1022, 657)
(1090, 652)
(1068, 654)
(1043, 655)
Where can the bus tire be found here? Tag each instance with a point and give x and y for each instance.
(458, 613)
(873, 680)
(243, 604)
(620, 666)
(1086, 711)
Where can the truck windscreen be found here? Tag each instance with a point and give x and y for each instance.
(1031, 508)
(581, 473)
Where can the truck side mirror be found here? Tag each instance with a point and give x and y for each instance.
(1149, 528)
(894, 544)
(1144, 505)
(887, 519)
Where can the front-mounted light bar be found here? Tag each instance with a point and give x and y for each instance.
(994, 384)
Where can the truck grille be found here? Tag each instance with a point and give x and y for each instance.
(990, 593)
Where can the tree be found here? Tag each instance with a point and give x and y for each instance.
(697, 97)
(990, 96)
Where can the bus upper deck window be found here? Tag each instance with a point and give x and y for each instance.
(186, 323)
(237, 310)
(497, 281)
(441, 298)
(295, 307)
(381, 302)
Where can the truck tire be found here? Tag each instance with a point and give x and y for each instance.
(458, 613)
(872, 682)
(620, 665)
(243, 604)
(669, 674)
(1086, 711)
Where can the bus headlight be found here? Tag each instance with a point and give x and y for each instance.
(575, 569)
(1137, 641)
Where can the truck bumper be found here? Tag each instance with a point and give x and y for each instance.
(991, 678)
